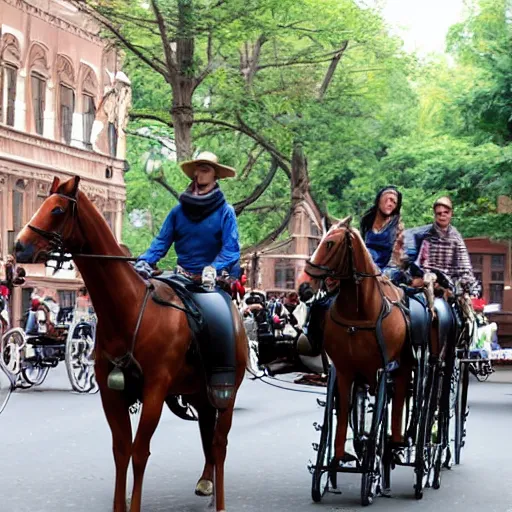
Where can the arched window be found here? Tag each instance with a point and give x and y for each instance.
(10, 59)
(89, 92)
(66, 98)
(39, 74)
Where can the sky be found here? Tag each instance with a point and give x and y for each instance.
(423, 24)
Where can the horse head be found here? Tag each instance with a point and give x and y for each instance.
(341, 255)
(54, 227)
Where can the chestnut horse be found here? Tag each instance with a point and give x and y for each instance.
(350, 325)
(160, 346)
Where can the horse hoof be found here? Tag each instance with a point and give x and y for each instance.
(204, 488)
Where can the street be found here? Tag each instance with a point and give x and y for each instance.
(56, 456)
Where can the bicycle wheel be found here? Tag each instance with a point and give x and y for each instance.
(320, 472)
(374, 448)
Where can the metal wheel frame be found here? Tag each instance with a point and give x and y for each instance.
(79, 349)
(375, 474)
(326, 446)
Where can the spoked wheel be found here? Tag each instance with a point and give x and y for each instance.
(424, 444)
(13, 342)
(33, 374)
(374, 451)
(80, 360)
(461, 412)
(322, 477)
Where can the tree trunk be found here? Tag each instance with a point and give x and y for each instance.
(182, 114)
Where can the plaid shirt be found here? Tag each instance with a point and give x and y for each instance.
(447, 252)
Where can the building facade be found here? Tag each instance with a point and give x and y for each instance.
(63, 110)
(492, 265)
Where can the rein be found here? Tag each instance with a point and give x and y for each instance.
(58, 252)
(353, 275)
(356, 276)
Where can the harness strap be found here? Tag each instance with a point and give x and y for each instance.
(124, 360)
(353, 327)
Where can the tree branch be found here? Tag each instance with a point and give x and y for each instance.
(162, 181)
(258, 191)
(271, 237)
(250, 162)
(264, 208)
(134, 115)
(170, 57)
(282, 160)
(209, 55)
(331, 70)
(83, 7)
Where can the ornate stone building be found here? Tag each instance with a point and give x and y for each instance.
(63, 111)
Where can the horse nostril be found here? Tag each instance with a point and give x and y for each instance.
(19, 247)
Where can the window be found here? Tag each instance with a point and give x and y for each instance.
(9, 91)
(478, 276)
(67, 107)
(67, 298)
(18, 194)
(497, 275)
(88, 118)
(26, 294)
(38, 102)
(284, 276)
(477, 260)
(112, 139)
(498, 261)
(496, 294)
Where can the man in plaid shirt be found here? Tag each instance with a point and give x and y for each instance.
(443, 247)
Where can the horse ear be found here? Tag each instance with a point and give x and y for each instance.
(55, 185)
(74, 188)
(345, 223)
(326, 225)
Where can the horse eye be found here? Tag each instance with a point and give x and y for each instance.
(330, 245)
(58, 211)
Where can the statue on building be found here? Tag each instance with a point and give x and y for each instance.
(108, 131)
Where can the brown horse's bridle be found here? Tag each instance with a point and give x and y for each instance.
(58, 251)
(326, 272)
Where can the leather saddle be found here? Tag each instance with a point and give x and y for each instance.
(209, 314)
(420, 318)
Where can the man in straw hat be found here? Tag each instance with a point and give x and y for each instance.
(443, 247)
(202, 226)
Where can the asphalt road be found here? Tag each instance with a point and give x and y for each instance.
(56, 456)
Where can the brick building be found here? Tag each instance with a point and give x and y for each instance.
(63, 111)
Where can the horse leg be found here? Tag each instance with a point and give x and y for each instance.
(344, 384)
(118, 418)
(153, 402)
(220, 443)
(207, 418)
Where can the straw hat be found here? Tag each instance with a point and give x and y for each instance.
(222, 171)
(444, 201)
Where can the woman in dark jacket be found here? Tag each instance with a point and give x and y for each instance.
(382, 231)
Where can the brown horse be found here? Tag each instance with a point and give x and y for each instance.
(160, 348)
(350, 325)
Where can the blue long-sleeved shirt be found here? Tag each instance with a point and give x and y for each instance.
(211, 241)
